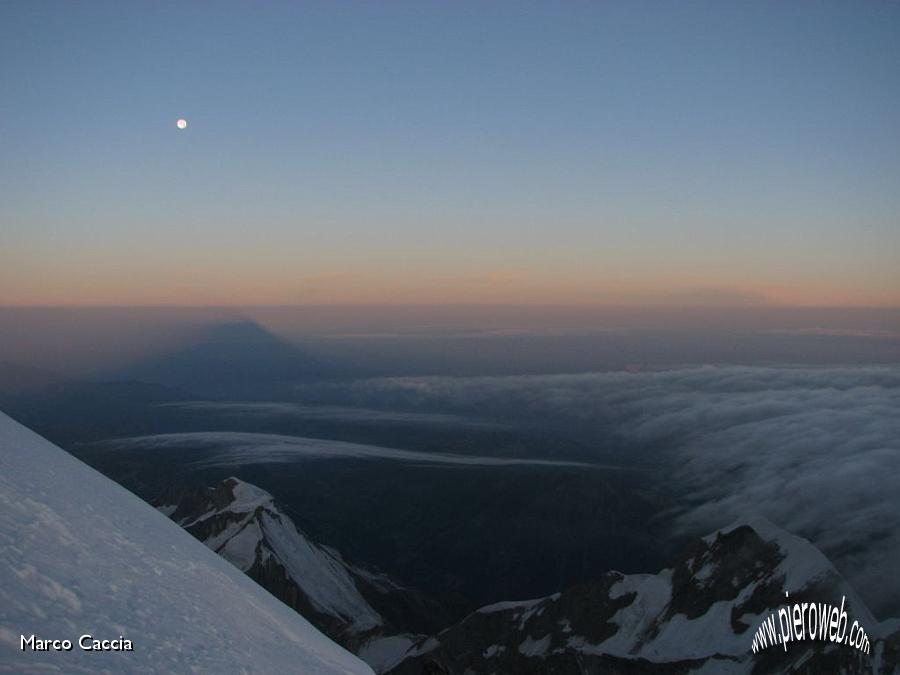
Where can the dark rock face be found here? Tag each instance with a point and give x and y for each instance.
(700, 615)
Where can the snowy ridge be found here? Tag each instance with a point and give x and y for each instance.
(509, 604)
(243, 525)
(79, 554)
(362, 609)
(697, 617)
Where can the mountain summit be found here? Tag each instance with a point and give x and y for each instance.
(699, 616)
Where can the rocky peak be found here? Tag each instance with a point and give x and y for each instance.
(700, 614)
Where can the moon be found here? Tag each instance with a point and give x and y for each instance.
(181, 123)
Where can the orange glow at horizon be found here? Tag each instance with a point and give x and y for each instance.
(514, 287)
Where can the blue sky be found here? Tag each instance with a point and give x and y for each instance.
(627, 153)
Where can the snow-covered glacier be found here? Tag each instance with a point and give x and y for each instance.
(80, 555)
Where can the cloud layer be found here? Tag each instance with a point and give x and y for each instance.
(229, 448)
(817, 450)
(331, 413)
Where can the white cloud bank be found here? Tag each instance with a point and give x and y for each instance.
(233, 448)
(816, 450)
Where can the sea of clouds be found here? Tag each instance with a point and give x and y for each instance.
(816, 450)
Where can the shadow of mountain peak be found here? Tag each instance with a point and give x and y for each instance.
(234, 359)
(242, 331)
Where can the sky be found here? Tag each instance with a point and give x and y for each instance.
(630, 154)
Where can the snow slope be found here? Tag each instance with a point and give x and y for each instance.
(79, 554)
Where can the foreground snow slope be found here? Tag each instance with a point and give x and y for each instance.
(79, 554)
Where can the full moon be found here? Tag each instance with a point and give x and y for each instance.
(181, 124)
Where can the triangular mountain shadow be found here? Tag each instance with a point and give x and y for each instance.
(239, 359)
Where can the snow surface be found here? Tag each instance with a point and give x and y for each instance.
(248, 497)
(506, 605)
(323, 578)
(384, 653)
(80, 554)
(532, 647)
(493, 650)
